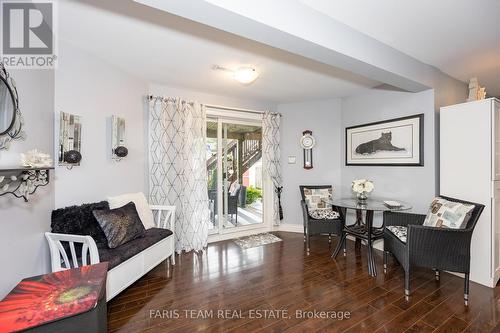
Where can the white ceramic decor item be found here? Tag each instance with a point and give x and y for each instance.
(35, 159)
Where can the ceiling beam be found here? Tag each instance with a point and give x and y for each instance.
(297, 28)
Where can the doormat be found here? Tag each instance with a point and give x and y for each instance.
(256, 240)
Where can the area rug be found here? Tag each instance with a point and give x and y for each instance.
(256, 240)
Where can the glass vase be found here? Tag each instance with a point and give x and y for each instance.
(362, 197)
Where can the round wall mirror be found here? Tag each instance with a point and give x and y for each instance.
(7, 107)
(11, 120)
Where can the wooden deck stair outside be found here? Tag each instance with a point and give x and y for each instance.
(249, 154)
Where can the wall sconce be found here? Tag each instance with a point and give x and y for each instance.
(118, 149)
(70, 140)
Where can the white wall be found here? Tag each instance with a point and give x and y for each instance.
(415, 185)
(22, 245)
(95, 90)
(323, 118)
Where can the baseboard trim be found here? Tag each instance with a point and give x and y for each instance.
(232, 235)
(298, 228)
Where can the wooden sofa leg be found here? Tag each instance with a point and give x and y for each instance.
(466, 289)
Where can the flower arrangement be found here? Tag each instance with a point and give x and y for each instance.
(35, 159)
(362, 187)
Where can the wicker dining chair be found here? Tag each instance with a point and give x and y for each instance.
(317, 226)
(430, 247)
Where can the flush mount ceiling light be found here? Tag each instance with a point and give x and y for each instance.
(244, 75)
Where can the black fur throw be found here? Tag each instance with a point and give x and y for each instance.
(79, 220)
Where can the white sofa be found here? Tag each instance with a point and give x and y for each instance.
(127, 272)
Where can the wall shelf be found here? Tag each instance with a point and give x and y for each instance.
(22, 182)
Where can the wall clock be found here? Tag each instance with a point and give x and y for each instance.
(307, 142)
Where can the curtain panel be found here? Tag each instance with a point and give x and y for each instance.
(177, 167)
(272, 158)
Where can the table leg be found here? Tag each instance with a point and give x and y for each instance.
(359, 221)
(372, 269)
(340, 245)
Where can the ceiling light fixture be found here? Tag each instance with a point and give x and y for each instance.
(244, 75)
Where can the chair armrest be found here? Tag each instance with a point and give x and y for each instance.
(168, 214)
(442, 246)
(402, 219)
(58, 253)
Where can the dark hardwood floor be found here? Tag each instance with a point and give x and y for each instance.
(281, 276)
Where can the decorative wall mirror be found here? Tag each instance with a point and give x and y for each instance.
(11, 120)
(118, 148)
(70, 140)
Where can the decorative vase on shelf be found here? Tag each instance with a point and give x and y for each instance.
(362, 188)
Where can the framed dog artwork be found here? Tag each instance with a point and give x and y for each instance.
(394, 142)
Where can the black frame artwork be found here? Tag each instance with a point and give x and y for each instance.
(403, 124)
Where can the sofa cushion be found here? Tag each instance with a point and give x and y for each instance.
(120, 225)
(324, 214)
(448, 214)
(116, 256)
(79, 220)
(398, 231)
(141, 204)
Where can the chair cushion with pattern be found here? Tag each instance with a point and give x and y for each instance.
(315, 196)
(324, 214)
(448, 214)
(398, 231)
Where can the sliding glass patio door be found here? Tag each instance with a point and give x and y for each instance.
(234, 167)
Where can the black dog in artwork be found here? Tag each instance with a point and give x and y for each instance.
(380, 144)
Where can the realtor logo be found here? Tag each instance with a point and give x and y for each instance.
(28, 38)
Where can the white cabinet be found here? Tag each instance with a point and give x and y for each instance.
(496, 141)
(470, 170)
(496, 229)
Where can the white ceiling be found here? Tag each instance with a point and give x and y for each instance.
(162, 48)
(460, 37)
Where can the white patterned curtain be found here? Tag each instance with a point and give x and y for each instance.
(271, 148)
(177, 167)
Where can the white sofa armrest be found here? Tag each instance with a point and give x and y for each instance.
(165, 216)
(58, 254)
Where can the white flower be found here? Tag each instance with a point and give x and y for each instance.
(358, 188)
(35, 158)
(362, 185)
(369, 186)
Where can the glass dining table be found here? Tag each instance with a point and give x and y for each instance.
(363, 228)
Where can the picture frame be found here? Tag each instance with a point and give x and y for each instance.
(392, 142)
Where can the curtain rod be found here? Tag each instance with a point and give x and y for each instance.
(236, 109)
(220, 107)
